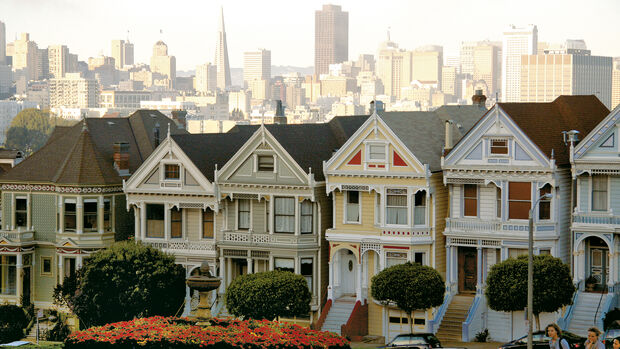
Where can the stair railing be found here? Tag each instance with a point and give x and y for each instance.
(595, 320)
(564, 321)
(439, 314)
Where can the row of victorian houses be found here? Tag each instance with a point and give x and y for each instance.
(336, 203)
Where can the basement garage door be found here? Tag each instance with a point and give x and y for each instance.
(399, 323)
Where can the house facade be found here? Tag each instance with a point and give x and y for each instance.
(389, 206)
(596, 210)
(65, 202)
(510, 159)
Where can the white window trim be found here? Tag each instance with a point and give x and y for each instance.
(162, 172)
(346, 203)
(237, 215)
(509, 145)
(378, 209)
(426, 210)
(264, 152)
(533, 192)
(312, 220)
(367, 159)
(551, 205)
(201, 230)
(591, 194)
(409, 209)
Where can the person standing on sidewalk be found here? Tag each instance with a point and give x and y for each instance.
(556, 342)
(593, 342)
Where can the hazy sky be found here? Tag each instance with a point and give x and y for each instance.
(286, 27)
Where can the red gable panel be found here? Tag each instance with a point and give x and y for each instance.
(356, 160)
(398, 161)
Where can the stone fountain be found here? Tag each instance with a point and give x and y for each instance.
(204, 283)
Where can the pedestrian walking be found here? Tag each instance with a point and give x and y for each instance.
(556, 342)
(616, 343)
(593, 342)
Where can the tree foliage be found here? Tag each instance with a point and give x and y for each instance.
(410, 286)
(124, 281)
(13, 321)
(507, 285)
(268, 295)
(31, 128)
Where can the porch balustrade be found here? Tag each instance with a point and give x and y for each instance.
(265, 239)
(18, 236)
(475, 226)
(602, 218)
(194, 247)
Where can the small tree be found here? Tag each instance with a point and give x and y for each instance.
(13, 321)
(268, 295)
(410, 286)
(124, 281)
(507, 285)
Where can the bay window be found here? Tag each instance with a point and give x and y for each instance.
(70, 215)
(90, 214)
(519, 200)
(284, 215)
(284, 264)
(306, 270)
(396, 207)
(207, 224)
(8, 275)
(107, 206)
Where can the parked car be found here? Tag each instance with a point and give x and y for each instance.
(608, 337)
(541, 341)
(415, 340)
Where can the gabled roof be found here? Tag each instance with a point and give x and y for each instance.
(308, 144)
(424, 132)
(543, 123)
(83, 154)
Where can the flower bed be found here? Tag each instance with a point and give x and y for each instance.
(160, 332)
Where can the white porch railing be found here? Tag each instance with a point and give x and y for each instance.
(18, 236)
(258, 239)
(182, 246)
(596, 218)
(475, 225)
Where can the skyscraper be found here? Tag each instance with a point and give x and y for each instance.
(331, 38)
(163, 64)
(57, 57)
(221, 57)
(486, 66)
(122, 52)
(206, 78)
(257, 65)
(2, 43)
(25, 57)
(516, 42)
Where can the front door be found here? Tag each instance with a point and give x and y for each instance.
(347, 281)
(467, 269)
(599, 266)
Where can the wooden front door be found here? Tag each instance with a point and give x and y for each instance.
(467, 269)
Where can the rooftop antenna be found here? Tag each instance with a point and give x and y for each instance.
(128, 35)
(388, 33)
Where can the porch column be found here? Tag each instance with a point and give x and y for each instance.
(575, 266)
(79, 214)
(504, 253)
(330, 292)
(272, 223)
(222, 274)
(20, 270)
(142, 220)
(78, 261)
(270, 262)
(167, 221)
(454, 265)
(296, 265)
(12, 211)
(479, 271)
(358, 286)
(136, 222)
(100, 206)
(448, 266)
(29, 212)
(250, 265)
(61, 272)
(381, 261)
(61, 215)
(611, 279)
(228, 271)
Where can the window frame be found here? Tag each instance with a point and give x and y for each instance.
(178, 172)
(264, 168)
(518, 200)
(605, 179)
(108, 223)
(500, 154)
(239, 211)
(90, 201)
(24, 212)
(66, 201)
(498, 202)
(163, 208)
(276, 259)
(415, 207)
(475, 199)
(401, 192)
(301, 272)
(545, 202)
(212, 221)
(347, 204)
(42, 271)
(11, 270)
(288, 216)
(176, 220)
(306, 215)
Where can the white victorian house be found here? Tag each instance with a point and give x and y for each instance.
(514, 155)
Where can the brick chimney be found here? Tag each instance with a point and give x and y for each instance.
(479, 99)
(121, 158)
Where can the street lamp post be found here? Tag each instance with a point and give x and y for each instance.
(530, 271)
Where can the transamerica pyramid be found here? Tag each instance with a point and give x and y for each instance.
(221, 56)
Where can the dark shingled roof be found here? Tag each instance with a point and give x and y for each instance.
(308, 144)
(79, 155)
(424, 132)
(543, 123)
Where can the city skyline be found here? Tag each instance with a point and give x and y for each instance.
(191, 33)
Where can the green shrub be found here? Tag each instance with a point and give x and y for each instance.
(12, 323)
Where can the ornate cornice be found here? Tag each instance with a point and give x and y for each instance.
(60, 189)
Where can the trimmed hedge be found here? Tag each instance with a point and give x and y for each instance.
(13, 321)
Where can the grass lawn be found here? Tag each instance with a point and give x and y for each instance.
(42, 344)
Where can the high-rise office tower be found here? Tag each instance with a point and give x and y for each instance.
(122, 52)
(25, 57)
(2, 43)
(565, 72)
(331, 38)
(163, 64)
(206, 78)
(487, 67)
(615, 84)
(57, 58)
(257, 65)
(73, 91)
(516, 42)
(426, 63)
(221, 56)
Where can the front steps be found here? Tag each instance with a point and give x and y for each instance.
(338, 314)
(585, 310)
(451, 326)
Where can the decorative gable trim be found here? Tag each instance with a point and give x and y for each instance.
(600, 131)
